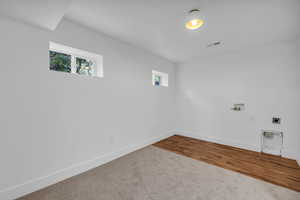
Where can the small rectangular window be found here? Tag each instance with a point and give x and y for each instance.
(160, 79)
(71, 60)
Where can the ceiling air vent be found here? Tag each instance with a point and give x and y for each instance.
(214, 44)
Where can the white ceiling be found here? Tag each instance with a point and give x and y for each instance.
(158, 25)
(43, 13)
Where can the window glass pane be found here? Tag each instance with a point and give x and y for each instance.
(85, 67)
(157, 80)
(60, 62)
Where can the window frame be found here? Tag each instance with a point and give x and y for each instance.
(164, 78)
(77, 53)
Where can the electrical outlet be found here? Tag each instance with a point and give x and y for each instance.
(276, 120)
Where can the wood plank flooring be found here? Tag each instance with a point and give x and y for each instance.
(273, 169)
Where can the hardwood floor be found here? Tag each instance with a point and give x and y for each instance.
(274, 169)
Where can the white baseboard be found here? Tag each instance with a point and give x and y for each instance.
(298, 161)
(218, 141)
(55, 177)
(289, 155)
(285, 154)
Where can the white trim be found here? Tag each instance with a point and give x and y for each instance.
(289, 155)
(55, 177)
(218, 141)
(285, 154)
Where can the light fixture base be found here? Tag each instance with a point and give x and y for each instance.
(194, 10)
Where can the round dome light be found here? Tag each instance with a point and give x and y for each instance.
(195, 20)
(194, 24)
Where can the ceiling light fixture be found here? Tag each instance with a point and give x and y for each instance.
(214, 44)
(195, 20)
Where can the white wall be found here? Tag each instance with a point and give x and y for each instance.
(53, 120)
(266, 79)
(54, 125)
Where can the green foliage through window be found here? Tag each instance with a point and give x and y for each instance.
(60, 62)
(157, 80)
(74, 61)
(84, 67)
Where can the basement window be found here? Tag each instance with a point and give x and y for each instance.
(159, 79)
(67, 59)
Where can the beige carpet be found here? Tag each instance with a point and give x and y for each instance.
(155, 174)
